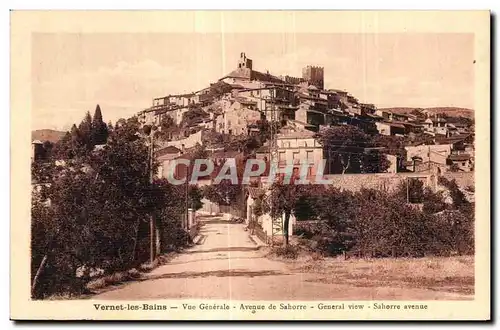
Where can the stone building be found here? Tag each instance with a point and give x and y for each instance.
(315, 75)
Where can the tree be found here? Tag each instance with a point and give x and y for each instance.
(291, 199)
(336, 210)
(85, 132)
(195, 196)
(419, 113)
(411, 190)
(99, 134)
(433, 202)
(98, 215)
(460, 201)
(47, 150)
(70, 146)
(374, 162)
(193, 116)
(454, 168)
(346, 145)
(244, 143)
(226, 192)
(393, 145)
(167, 125)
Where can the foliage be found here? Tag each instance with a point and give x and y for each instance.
(291, 199)
(336, 208)
(419, 113)
(345, 147)
(383, 224)
(223, 193)
(460, 201)
(287, 252)
(193, 116)
(99, 131)
(259, 206)
(394, 145)
(195, 196)
(433, 202)
(81, 139)
(411, 190)
(100, 205)
(167, 125)
(226, 192)
(265, 128)
(244, 143)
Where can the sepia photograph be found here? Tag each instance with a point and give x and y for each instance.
(231, 172)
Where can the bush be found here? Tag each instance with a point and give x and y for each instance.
(376, 223)
(99, 204)
(287, 252)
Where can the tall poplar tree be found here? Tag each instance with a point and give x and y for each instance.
(99, 128)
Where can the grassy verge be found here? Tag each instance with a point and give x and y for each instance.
(448, 274)
(133, 274)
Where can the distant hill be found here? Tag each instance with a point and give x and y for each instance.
(47, 135)
(450, 111)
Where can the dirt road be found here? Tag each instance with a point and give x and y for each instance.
(228, 265)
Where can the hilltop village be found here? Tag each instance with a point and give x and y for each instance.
(236, 114)
(398, 184)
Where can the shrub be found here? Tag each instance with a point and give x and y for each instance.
(376, 223)
(287, 252)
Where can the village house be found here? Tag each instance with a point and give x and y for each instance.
(460, 162)
(236, 119)
(389, 128)
(428, 154)
(428, 125)
(164, 156)
(294, 147)
(36, 149)
(386, 115)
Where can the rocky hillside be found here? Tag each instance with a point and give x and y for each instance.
(47, 135)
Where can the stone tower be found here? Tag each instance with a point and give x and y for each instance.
(314, 75)
(244, 62)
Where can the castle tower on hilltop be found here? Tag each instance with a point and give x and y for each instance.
(244, 62)
(314, 75)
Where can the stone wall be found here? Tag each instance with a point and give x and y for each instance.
(188, 142)
(463, 179)
(383, 181)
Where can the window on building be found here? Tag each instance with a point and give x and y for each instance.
(309, 155)
(295, 155)
(281, 156)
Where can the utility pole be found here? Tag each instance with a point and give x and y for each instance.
(187, 197)
(407, 190)
(151, 220)
(429, 154)
(276, 221)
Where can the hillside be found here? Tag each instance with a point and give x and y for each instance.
(47, 135)
(450, 111)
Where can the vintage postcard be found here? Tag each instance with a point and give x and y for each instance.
(239, 165)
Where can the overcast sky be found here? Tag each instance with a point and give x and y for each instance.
(71, 73)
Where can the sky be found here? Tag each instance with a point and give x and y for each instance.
(123, 72)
